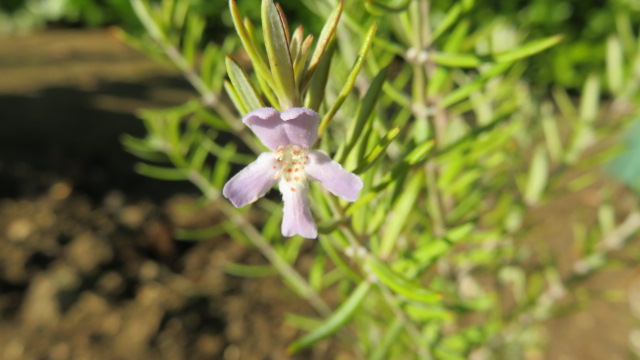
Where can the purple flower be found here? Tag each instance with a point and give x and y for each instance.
(290, 135)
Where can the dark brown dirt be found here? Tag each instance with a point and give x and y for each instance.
(88, 265)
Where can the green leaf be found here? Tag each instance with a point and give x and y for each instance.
(296, 43)
(381, 350)
(454, 41)
(328, 226)
(199, 234)
(427, 313)
(166, 12)
(317, 271)
(340, 264)
(198, 157)
(318, 83)
(362, 201)
(223, 167)
(143, 12)
(378, 151)
(285, 24)
(456, 60)
(249, 270)
(259, 64)
(255, 39)
(277, 44)
(400, 285)
(180, 11)
(244, 89)
(378, 8)
(538, 176)
(551, 131)
(351, 79)
(464, 91)
(207, 63)
(364, 114)
(326, 37)
(235, 98)
(300, 62)
(400, 212)
(302, 322)
(334, 322)
(212, 119)
(142, 148)
(451, 18)
(192, 37)
(416, 157)
(420, 153)
(162, 173)
(528, 49)
(615, 64)
(590, 99)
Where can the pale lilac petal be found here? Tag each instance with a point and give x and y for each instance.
(297, 219)
(252, 182)
(267, 125)
(332, 176)
(301, 126)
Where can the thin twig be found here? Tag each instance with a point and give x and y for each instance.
(253, 235)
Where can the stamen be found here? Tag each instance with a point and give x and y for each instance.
(291, 159)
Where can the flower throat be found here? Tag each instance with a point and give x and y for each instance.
(292, 160)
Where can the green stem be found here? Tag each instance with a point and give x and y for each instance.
(297, 282)
(390, 298)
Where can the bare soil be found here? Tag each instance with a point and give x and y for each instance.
(89, 268)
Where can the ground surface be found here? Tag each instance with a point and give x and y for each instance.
(88, 265)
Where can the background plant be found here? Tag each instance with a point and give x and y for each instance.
(448, 115)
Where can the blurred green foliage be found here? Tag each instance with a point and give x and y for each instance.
(585, 26)
(20, 16)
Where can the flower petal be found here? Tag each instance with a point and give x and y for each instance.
(332, 176)
(297, 219)
(301, 126)
(252, 182)
(268, 126)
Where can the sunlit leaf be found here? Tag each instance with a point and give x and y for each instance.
(400, 285)
(334, 322)
(346, 89)
(277, 44)
(528, 49)
(243, 86)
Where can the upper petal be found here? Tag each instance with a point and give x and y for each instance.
(266, 123)
(252, 182)
(296, 218)
(332, 176)
(301, 126)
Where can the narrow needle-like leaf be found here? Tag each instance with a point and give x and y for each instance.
(243, 86)
(336, 321)
(277, 44)
(355, 70)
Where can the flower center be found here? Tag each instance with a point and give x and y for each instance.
(292, 160)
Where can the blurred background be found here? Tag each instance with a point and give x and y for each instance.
(92, 262)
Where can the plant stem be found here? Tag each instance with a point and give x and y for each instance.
(297, 282)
